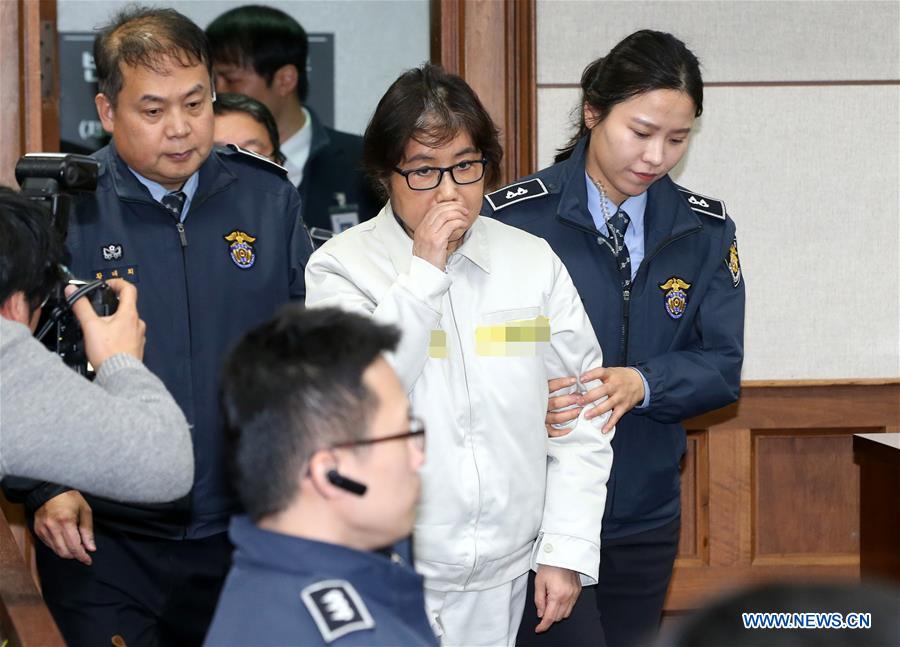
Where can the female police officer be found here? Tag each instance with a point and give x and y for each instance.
(657, 268)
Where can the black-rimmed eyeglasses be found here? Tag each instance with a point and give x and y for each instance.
(430, 177)
(415, 434)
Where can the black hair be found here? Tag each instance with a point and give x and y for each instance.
(294, 386)
(229, 102)
(431, 106)
(147, 37)
(263, 38)
(644, 61)
(30, 249)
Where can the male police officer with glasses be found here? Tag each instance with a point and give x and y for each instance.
(325, 458)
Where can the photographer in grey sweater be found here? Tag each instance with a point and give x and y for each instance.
(121, 436)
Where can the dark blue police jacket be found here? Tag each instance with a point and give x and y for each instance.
(241, 255)
(682, 325)
(334, 169)
(285, 590)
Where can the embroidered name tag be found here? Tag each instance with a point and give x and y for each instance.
(128, 272)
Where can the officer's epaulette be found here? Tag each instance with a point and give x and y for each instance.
(336, 608)
(516, 193)
(704, 204)
(257, 158)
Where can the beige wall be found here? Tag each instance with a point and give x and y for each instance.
(800, 136)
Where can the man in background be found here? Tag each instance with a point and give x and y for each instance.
(245, 122)
(262, 52)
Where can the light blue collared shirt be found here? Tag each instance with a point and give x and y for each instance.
(157, 191)
(634, 207)
(634, 238)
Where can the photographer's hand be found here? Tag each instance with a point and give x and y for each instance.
(65, 524)
(121, 332)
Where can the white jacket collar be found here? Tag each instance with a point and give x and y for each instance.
(398, 244)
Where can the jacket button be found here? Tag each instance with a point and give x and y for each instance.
(548, 548)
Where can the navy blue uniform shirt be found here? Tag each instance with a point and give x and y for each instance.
(284, 590)
(681, 326)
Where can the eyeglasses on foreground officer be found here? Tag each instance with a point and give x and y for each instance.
(657, 268)
(122, 435)
(325, 458)
(214, 240)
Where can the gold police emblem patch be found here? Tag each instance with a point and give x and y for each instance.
(675, 296)
(241, 250)
(734, 263)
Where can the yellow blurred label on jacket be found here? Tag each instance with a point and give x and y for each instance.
(518, 338)
(437, 346)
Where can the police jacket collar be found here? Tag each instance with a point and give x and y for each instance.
(370, 572)
(667, 214)
(214, 177)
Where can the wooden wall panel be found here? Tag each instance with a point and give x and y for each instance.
(694, 541)
(800, 480)
(775, 476)
(492, 46)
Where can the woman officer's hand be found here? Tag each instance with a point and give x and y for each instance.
(443, 224)
(622, 386)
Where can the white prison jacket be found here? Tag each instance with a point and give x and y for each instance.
(479, 342)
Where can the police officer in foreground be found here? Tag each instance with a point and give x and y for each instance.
(325, 458)
(214, 242)
(658, 271)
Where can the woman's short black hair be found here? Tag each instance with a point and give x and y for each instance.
(263, 38)
(228, 102)
(431, 106)
(145, 37)
(30, 249)
(644, 61)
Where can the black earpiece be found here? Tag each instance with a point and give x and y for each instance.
(338, 480)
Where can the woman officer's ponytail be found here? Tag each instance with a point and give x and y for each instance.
(644, 61)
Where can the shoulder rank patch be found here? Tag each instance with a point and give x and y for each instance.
(704, 204)
(241, 250)
(336, 608)
(676, 297)
(734, 263)
(272, 165)
(516, 193)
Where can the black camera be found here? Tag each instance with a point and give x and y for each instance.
(53, 179)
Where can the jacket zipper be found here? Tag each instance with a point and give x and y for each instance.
(474, 458)
(182, 237)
